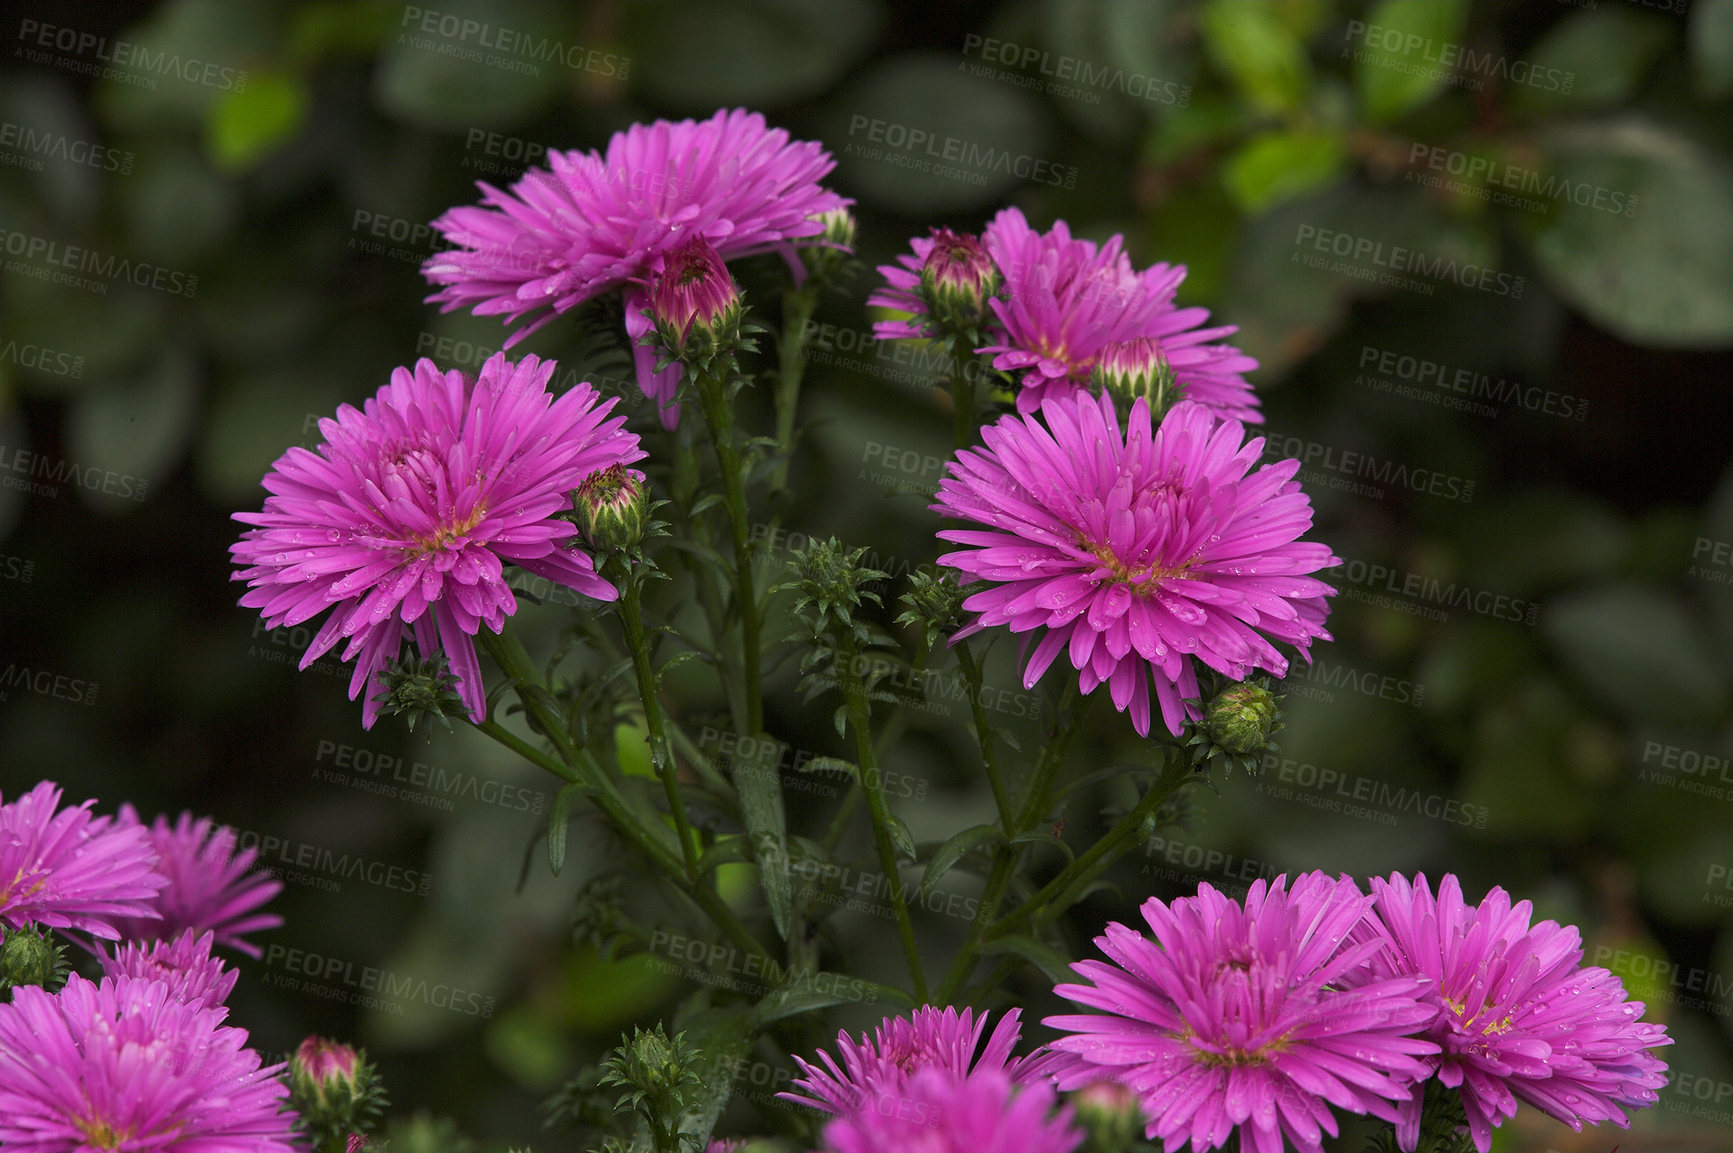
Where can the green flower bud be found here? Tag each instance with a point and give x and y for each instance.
(334, 1090)
(1241, 718)
(1136, 370)
(612, 506)
(29, 956)
(1110, 1114)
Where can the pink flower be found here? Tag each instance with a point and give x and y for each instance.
(1135, 551)
(185, 965)
(985, 1112)
(949, 279)
(211, 885)
(929, 1038)
(65, 869)
(403, 519)
(1234, 1018)
(1521, 1017)
(593, 224)
(1067, 301)
(125, 1066)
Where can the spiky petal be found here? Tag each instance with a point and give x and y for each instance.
(64, 868)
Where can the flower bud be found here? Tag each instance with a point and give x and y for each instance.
(334, 1090)
(839, 227)
(695, 302)
(1242, 717)
(1136, 370)
(612, 506)
(957, 280)
(28, 956)
(1110, 1114)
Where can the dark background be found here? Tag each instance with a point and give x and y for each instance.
(1571, 733)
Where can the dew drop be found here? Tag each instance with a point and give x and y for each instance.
(333, 536)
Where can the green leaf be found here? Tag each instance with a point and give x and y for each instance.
(1257, 49)
(1654, 262)
(1043, 837)
(831, 765)
(1043, 956)
(956, 849)
(439, 80)
(1277, 166)
(1640, 651)
(721, 1038)
(1591, 59)
(1712, 47)
(247, 125)
(901, 839)
(726, 851)
(131, 436)
(760, 791)
(1392, 82)
(558, 818)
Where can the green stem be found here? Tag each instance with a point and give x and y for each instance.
(873, 786)
(580, 768)
(1005, 858)
(718, 409)
(684, 487)
(963, 426)
(1057, 895)
(632, 618)
(974, 678)
(791, 354)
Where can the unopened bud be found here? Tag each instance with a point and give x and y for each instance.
(1109, 1112)
(612, 505)
(957, 280)
(695, 302)
(1135, 370)
(1242, 717)
(334, 1091)
(28, 956)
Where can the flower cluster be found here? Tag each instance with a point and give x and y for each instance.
(142, 1059)
(1263, 1019)
(1059, 307)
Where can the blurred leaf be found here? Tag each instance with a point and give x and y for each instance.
(439, 80)
(1389, 83)
(246, 126)
(1660, 271)
(1277, 166)
(1591, 59)
(721, 1038)
(760, 790)
(699, 54)
(195, 51)
(1639, 650)
(177, 209)
(325, 28)
(559, 820)
(134, 434)
(1056, 966)
(916, 135)
(1259, 51)
(1516, 772)
(1712, 46)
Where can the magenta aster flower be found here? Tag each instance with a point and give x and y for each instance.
(65, 869)
(929, 1038)
(125, 1066)
(693, 288)
(1067, 300)
(211, 885)
(403, 518)
(595, 223)
(185, 965)
(985, 1112)
(1233, 1018)
(1522, 1018)
(949, 269)
(1136, 551)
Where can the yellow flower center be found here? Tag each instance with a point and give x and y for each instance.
(443, 536)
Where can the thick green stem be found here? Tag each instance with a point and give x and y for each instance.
(791, 368)
(719, 417)
(1006, 856)
(873, 787)
(684, 486)
(632, 618)
(1058, 894)
(962, 404)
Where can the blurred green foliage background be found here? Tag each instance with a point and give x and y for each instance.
(291, 160)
